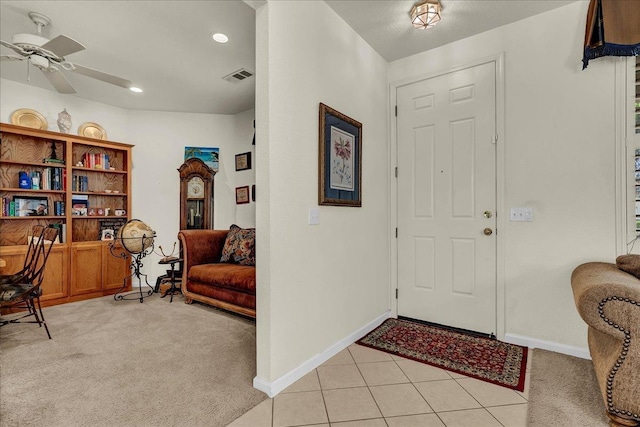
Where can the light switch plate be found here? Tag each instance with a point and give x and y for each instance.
(521, 214)
(314, 216)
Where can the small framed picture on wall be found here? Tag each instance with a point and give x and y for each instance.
(243, 161)
(242, 195)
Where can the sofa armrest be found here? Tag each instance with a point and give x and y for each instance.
(201, 247)
(607, 298)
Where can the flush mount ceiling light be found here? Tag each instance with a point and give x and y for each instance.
(220, 38)
(425, 14)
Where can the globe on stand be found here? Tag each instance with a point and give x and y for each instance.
(135, 239)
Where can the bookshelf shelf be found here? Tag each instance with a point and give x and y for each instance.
(97, 193)
(93, 217)
(37, 164)
(81, 169)
(31, 218)
(25, 190)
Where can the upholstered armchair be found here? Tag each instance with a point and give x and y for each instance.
(608, 300)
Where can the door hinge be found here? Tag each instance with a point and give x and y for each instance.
(396, 111)
(396, 171)
(396, 293)
(494, 140)
(396, 232)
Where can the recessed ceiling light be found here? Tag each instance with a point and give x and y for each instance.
(220, 38)
(135, 89)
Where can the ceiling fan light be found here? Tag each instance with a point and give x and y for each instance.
(425, 14)
(220, 38)
(135, 89)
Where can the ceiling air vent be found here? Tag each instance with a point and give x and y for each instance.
(238, 75)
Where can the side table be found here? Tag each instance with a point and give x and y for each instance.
(171, 278)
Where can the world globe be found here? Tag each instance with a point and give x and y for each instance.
(135, 236)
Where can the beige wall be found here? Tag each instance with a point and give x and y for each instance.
(319, 283)
(559, 150)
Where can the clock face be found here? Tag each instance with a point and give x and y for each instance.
(195, 188)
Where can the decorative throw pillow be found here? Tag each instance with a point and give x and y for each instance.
(245, 249)
(229, 244)
(629, 264)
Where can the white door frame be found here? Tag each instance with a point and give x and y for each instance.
(501, 212)
(626, 141)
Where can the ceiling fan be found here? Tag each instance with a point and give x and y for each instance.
(49, 56)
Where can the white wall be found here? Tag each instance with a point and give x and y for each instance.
(316, 284)
(14, 96)
(559, 160)
(245, 214)
(159, 139)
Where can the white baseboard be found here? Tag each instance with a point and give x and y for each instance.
(276, 386)
(580, 352)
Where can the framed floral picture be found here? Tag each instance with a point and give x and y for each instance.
(340, 163)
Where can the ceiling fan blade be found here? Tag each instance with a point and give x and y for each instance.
(11, 58)
(16, 49)
(63, 45)
(58, 80)
(108, 78)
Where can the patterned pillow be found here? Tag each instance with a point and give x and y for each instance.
(229, 244)
(245, 248)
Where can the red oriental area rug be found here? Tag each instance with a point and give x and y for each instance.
(478, 357)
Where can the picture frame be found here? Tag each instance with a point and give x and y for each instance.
(243, 161)
(340, 159)
(242, 195)
(209, 155)
(31, 205)
(107, 234)
(253, 192)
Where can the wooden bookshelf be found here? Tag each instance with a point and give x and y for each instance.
(81, 265)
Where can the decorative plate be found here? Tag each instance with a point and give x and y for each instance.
(29, 118)
(92, 130)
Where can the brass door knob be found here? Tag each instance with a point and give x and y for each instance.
(487, 231)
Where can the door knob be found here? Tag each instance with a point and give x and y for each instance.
(487, 231)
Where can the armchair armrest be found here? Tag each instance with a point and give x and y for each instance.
(201, 247)
(607, 298)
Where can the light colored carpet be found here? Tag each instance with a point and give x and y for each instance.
(122, 363)
(564, 392)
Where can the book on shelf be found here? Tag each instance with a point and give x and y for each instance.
(54, 161)
(52, 179)
(80, 183)
(96, 161)
(62, 231)
(58, 208)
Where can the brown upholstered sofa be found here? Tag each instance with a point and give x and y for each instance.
(205, 279)
(608, 300)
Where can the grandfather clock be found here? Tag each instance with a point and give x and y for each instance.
(196, 195)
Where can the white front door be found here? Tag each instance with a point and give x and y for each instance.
(447, 199)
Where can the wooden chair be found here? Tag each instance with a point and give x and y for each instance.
(29, 264)
(21, 290)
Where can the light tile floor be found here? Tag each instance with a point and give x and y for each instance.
(363, 387)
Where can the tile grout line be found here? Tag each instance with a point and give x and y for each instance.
(324, 402)
(368, 388)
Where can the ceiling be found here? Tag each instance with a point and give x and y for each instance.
(165, 47)
(386, 25)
